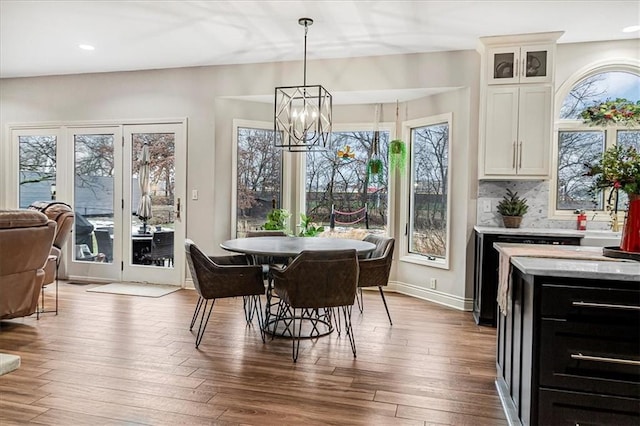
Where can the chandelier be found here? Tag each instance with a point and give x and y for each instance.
(302, 116)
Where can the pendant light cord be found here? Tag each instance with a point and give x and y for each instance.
(306, 28)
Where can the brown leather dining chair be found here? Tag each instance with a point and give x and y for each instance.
(221, 277)
(374, 270)
(314, 281)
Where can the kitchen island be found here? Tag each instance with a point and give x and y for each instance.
(568, 348)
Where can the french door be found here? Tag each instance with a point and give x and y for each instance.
(117, 169)
(126, 184)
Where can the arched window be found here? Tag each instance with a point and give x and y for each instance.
(579, 144)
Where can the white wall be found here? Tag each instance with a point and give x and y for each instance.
(200, 94)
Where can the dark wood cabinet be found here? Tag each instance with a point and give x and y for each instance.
(485, 308)
(569, 351)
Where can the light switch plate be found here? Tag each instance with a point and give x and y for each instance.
(486, 206)
(194, 194)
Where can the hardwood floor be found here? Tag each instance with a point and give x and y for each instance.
(112, 359)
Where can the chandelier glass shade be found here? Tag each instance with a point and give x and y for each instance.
(302, 114)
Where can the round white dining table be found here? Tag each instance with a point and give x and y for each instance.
(293, 246)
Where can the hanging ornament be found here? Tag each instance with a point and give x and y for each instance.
(375, 166)
(397, 148)
(346, 153)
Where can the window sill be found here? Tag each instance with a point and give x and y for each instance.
(425, 261)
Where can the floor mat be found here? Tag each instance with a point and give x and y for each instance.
(135, 289)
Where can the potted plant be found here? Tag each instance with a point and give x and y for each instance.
(512, 208)
(397, 154)
(374, 166)
(307, 228)
(619, 169)
(276, 220)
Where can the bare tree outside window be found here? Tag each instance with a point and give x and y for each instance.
(430, 192)
(37, 168)
(344, 181)
(259, 178)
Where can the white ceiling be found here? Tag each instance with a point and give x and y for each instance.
(42, 37)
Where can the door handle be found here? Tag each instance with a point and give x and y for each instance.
(520, 156)
(516, 62)
(513, 157)
(177, 212)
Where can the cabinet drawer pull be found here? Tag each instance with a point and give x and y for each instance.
(516, 62)
(605, 305)
(513, 159)
(603, 359)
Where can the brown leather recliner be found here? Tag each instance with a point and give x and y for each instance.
(63, 215)
(25, 243)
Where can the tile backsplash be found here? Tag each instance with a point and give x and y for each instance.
(537, 195)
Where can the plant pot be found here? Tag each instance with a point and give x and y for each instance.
(512, 221)
(396, 147)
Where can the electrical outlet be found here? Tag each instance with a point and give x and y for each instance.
(486, 206)
(194, 194)
(432, 283)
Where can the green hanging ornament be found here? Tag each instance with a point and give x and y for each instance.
(398, 155)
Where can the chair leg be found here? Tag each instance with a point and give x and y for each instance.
(335, 313)
(296, 338)
(346, 310)
(359, 299)
(257, 311)
(247, 302)
(385, 304)
(201, 329)
(195, 312)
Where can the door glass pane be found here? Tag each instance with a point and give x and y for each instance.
(37, 174)
(536, 64)
(430, 194)
(503, 65)
(152, 199)
(93, 198)
(259, 178)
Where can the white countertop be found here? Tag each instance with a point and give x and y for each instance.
(573, 268)
(609, 269)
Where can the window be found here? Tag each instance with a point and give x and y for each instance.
(580, 144)
(258, 177)
(37, 164)
(345, 183)
(429, 190)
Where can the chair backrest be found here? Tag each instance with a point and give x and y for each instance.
(26, 239)
(319, 279)
(105, 243)
(384, 246)
(213, 281)
(59, 212)
(162, 244)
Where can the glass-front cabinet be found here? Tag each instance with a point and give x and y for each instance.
(520, 64)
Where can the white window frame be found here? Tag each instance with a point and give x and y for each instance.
(406, 190)
(631, 66)
(353, 127)
(285, 190)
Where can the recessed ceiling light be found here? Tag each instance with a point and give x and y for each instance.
(631, 29)
(86, 47)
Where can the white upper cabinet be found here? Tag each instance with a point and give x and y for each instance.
(516, 106)
(520, 64)
(518, 129)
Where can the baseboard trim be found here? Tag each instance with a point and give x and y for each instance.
(445, 299)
